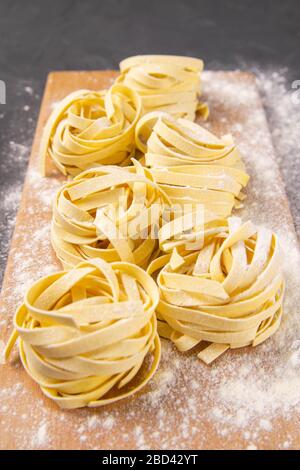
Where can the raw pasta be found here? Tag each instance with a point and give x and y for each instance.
(189, 230)
(192, 165)
(229, 294)
(85, 333)
(166, 83)
(89, 128)
(89, 335)
(108, 212)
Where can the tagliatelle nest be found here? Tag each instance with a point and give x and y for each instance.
(109, 212)
(85, 333)
(192, 165)
(166, 83)
(230, 293)
(89, 128)
(88, 335)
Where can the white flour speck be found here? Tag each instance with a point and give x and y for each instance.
(108, 422)
(2, 347)
(40, 438)
(29, 90)
(251, 447)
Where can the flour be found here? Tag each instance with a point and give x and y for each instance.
(286, 444)
(46, 192)
(2, 347)
(18, 152)
(9, 205)
(140, 439)
(108, 422)
(40, 438)
(251, 447)
(28, 90)
(245, 390)
(92, 422)
(161, 384)
(248, 391)
(284, 118)
(16, 155)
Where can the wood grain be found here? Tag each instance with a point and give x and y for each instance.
(170, 413)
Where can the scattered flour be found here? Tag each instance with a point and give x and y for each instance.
(18, 151)
(284, 119)
(108, 422)
(9, 205)
(2, 347)
(54, 104)
(29, 90)
(92, 422)
(265, 424)
(139, 437)
(243, 392)
(40, 438)
(286, 444)
(251, 447)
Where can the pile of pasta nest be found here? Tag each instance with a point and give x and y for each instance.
(143, 227)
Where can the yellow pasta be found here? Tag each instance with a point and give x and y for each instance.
(166, 83)
(108, 212)
(189, 229)
(85, 333)
(89, 128)
(229, 293)
(192, 165)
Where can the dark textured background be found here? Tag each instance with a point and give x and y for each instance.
(37, 36)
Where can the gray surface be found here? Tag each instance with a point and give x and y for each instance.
(37, 36)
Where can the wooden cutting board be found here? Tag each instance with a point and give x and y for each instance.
(184, 406)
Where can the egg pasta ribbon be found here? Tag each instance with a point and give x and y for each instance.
(166, 83)
(190, 164)
(108, 212)
(89, 128)
(85, 334)
(189, 229)
(229, 293)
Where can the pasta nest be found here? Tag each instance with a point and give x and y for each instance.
(165, 83)
(191, 164)
(230, 293)
(89, 128)
(109, 212)
(85, 333)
